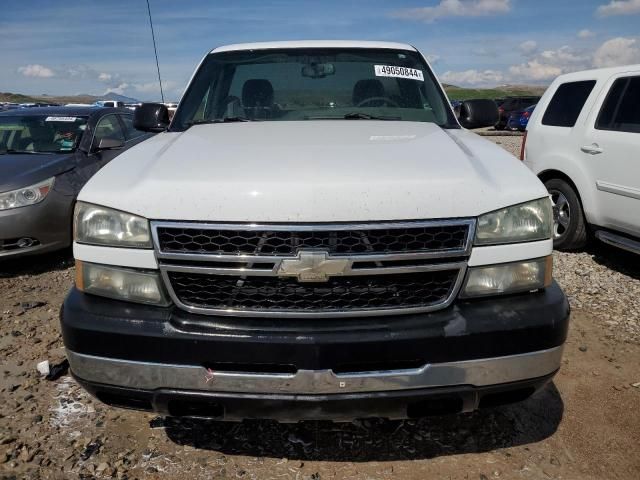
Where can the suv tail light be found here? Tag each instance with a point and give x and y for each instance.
(524, 141)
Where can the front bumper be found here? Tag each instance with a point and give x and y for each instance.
(289, 408)
(173, 362)
(48, 223)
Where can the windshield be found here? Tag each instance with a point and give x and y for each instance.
(40, 133)
(313, 84)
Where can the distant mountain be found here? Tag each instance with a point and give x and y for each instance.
(83, 98)
(460, 93)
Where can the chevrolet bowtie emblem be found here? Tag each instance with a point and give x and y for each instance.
(312, 266)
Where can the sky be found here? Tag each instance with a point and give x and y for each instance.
(94, 47)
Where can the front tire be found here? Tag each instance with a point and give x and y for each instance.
(569, 225)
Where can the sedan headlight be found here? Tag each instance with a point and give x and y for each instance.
(97, 225)
(525, 222)
(23, 197)
(120, 283)
(508, 278)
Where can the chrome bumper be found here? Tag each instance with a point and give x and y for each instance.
(151, 376)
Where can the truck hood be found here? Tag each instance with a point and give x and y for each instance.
(313, 171)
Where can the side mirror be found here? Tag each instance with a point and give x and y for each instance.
(109, 144)
(151, 117)
(478, 113)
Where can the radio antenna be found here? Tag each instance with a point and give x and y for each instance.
(155, 50)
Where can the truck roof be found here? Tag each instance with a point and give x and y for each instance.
(597, 73)
(313, 44)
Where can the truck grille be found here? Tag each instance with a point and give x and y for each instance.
(411, 290)
(343, 242)
(313, 269)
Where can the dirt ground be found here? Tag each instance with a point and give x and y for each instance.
(584, 425)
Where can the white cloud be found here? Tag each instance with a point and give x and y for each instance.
(154, 87)
(113, 81)
(619, 7)
(433, 58)
(150, 87)
(455, 8)
(541, 67)
(534, 70)
(585, 33)
(549, 64)
(36, 70)
(528, 47)
(485, 52)
(564, 56)
(617, 51)
(118, 89)
(110, 82)
(473, 77)
(78, 71)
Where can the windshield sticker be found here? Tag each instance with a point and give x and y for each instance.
(398, 72)
(61, 119)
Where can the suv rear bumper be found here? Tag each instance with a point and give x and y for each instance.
(173, 362)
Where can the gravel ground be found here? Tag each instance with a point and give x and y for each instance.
(584, 425)
(511, 143)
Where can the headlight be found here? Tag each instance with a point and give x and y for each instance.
(526, 222)
(120, 283)
(26, 196)
(103, 226)
(508, 278)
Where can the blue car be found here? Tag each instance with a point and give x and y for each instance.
(519, 120)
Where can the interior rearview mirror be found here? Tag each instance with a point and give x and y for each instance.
(478, 113)
(318, 70)
(109, 143)
(151, 117)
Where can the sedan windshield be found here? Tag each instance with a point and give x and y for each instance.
(40, 133)
(313, 84)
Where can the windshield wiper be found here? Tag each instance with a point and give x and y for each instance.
(366, 116)
(353, 116)
(218, 120)
(28, 152)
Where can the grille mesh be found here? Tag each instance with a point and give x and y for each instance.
(421, 289)
(264, 242)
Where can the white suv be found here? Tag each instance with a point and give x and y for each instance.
(583, 141)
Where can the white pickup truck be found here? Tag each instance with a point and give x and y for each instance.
(583, 141)
(313, 236)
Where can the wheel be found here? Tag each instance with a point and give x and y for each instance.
(569, 225)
